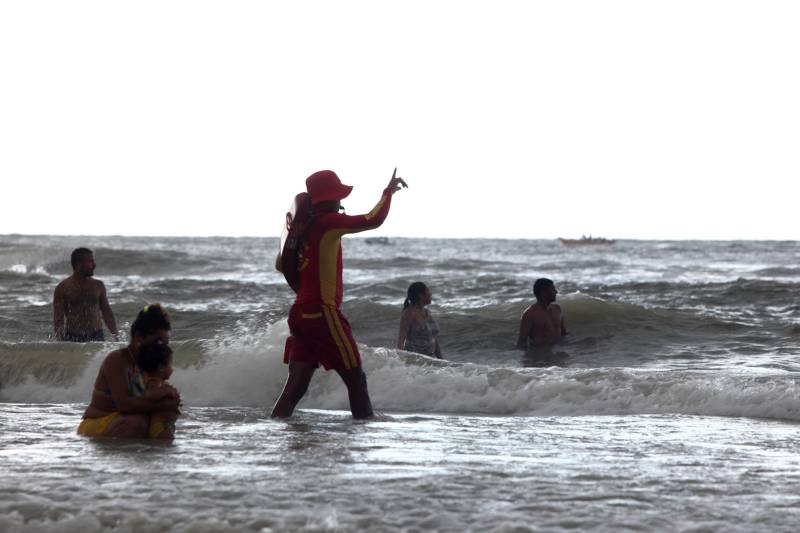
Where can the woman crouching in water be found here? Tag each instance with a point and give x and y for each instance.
(418, 330)
(121, 406)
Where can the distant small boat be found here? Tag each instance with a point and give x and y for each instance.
(586, 241)
(378, 240)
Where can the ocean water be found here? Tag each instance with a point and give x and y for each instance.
(672, 405)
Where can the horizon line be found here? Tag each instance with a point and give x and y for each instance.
(176, 236)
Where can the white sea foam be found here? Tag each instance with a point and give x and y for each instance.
(247, 370)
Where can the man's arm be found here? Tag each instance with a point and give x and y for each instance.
(108, 315)
(525, 325)
(58, 312)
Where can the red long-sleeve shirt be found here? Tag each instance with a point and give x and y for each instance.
(321, 264)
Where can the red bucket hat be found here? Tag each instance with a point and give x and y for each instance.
(325, 185)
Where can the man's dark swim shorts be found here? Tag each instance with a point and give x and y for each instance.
(95, 336)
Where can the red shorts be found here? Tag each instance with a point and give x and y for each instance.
(320, 334)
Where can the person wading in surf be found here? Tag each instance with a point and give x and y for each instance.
(543, 322)
(319, 332)
(79, 302)
(418, 329)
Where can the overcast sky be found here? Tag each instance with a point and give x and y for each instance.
(629, 119)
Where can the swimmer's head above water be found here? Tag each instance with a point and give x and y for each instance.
(418, 292)
(545, 290)
(82, 261)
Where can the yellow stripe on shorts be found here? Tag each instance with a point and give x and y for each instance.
(341, 343)
(350, 351)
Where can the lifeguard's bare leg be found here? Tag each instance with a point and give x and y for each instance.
(356, 381)
(296, 386)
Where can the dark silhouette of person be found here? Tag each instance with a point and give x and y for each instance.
(543, 322)
(80, 304)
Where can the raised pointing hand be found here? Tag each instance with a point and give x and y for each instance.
(395, 184)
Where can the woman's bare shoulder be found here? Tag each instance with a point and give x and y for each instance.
(412, 313)
(117, 357)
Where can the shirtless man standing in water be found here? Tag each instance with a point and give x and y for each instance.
(542, 323)
(79, 303)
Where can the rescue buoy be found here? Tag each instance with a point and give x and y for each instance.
(294, 228)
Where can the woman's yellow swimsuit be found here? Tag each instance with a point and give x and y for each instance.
(97, 427)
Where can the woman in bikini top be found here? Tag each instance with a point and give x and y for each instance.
(418, 330)
(118, 407)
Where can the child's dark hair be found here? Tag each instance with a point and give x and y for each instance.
(415, 290)
(149, 320)
(153, 355)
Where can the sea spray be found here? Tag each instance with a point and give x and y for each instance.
(248, 370)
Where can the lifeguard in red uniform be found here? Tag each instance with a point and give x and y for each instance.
(319, 332)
